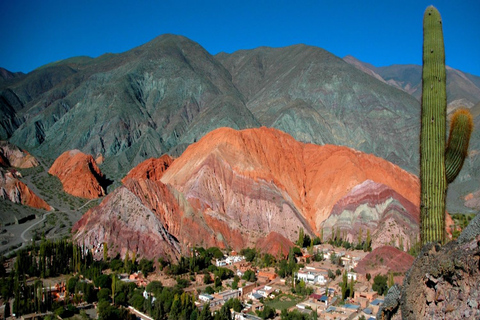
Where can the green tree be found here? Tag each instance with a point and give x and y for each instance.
(344, 286)
(380, 284)
(105, 251)
(301, 236)
(104, 294)
(206, 313)
(390, 281)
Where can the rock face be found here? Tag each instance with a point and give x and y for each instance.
(384, 259)
(79, 174)
(237, 188)
(18, 192)
(125, 223)
(150, 169)
(443, 283)
(379, 208)
(275, 244)
(262, 180)
(11, 155)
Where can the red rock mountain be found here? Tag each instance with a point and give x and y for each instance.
(11, 188)
(151, 169)
(267, 181)
(275, 244)
(79, 174)
(233, 188)
(11, 155)
(384, 259)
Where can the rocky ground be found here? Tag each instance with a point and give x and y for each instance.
(443, 282)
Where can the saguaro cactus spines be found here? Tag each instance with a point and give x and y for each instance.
(438, 166)
(433, 130)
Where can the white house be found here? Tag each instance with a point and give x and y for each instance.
(312, 276)
(205, 297)
(352, 275)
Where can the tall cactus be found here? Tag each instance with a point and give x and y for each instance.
(435, 173)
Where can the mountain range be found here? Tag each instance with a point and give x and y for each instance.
(170, 96)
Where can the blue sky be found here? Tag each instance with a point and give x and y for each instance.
(34, 33)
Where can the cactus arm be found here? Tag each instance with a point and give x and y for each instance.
(433, 130)
(457, 147)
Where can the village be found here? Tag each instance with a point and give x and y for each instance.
(315, 289)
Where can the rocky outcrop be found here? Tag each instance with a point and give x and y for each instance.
(11, 188)
(275, 244)
(442, 282)
(125, 224)
(472, 200)
(262, 180)
(150, 169)
(383, 260)
(12, 156)
(391, 218)
(79, 174)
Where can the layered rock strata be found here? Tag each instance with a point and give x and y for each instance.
(79, 174)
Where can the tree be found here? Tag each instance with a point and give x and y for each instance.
(331, 275)
(344, 285)
(249, 254)
(114, 284)
(267, 312)
(104, 294)
(146, 266)
(249, 275)
(126, 263)
(218, 282)
(209, 290)
(176, 308)
(360, 236)
(367, 246)
(390, 281)
(351, 288)
(105, 251)
(369, 276)
(103, 281)
(154, 287)
(301, 235)
(380, 284)
(223, 314)
(71, 284)
(205, 314)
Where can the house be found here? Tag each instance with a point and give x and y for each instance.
(336, 313)
(319, 298)
(227, 295)
(351, 275)
(139, 279)
(204, 297)
(312, 275)
(229, 260)
(247, 288)
(264, 276)
(369, 295)
(375, 305)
